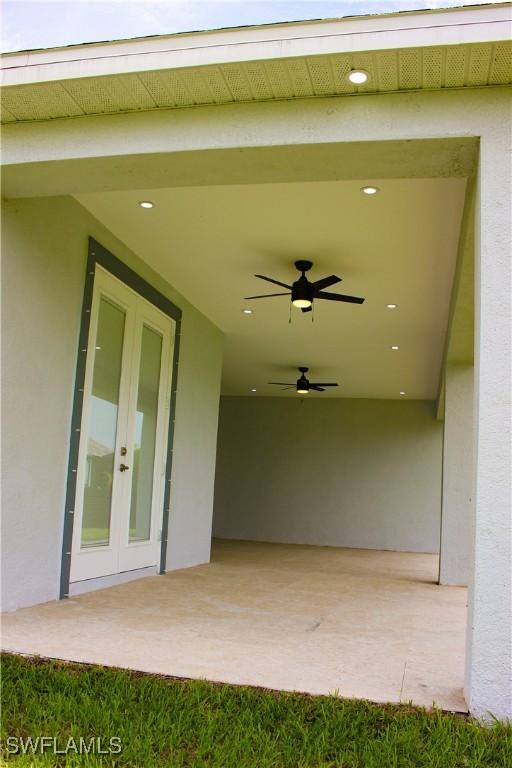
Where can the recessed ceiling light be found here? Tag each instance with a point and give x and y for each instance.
(402, 392)
(358, 76)
(247, 311)
(254, 390)
(369, 190)
(98, 347)
(146, 204)
(391, 306)
(395, 347)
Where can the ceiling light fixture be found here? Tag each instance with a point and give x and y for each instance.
(302, 391)
(146, 204)
(254, 390)
(358, 76)
(246, 311)
(395, 347)
(391, 306)
(402, 392)
(369, 190)
(301, 303)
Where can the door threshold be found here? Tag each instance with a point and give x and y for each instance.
(102, 582)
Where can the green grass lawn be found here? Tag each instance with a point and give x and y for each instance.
(171, 723)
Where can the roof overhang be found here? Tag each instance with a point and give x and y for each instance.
(450, 48)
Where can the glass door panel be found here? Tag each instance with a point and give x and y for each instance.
(146, 416)
(102, 426)
(121, 465)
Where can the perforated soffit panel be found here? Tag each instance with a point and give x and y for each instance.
(463, 66)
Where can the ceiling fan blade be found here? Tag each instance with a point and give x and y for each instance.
(276, 282)
(307, 309)
(316, 387)
(292, 386)
(281, 383)
(322, 384)
(265, 296)
(338, 297)
(325, 282)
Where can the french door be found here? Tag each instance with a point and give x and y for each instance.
(123, 437)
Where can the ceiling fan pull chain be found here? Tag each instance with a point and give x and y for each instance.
(290, 318)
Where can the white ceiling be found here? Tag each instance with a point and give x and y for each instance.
(399, 246)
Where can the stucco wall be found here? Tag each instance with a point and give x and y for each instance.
(489, 647)
(349, 473)
(458, 477)
(44, 253)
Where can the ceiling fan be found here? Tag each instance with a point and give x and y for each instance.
(304, 292)
(304, 385)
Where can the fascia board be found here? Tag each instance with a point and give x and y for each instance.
(376, 33)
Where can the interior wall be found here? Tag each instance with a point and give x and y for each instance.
(44, 249)
(338, 472)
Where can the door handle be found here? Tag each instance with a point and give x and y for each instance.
(123, 467)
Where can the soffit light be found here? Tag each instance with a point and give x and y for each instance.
(395, 347)
(146, 204)
(402, 392)
(391, 306)
(369, 190)
(358, 76)
(246, 311)
(254, 390)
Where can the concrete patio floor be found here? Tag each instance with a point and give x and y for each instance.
(362, 623)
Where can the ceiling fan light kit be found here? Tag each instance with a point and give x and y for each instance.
(301, 303)
(302, 289)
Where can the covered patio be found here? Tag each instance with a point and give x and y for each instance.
(357, 623)
(163, 178)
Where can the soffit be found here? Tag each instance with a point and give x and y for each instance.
(408, 69)
(447, 48)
